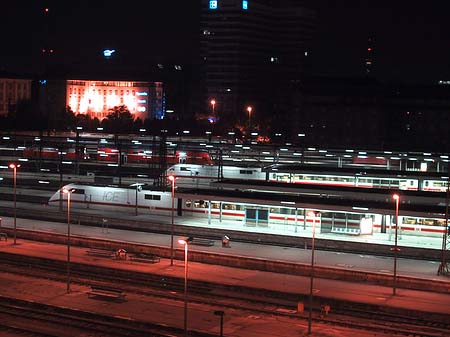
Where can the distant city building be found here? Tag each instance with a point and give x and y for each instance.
(13, 91)
(251, 51)
(95, 98)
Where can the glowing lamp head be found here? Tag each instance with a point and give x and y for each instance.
(313, 213)
(213, 102)
(68, 191)
(184, 241)
(249, 109)
(171, 178)
(14, 166)
(396, 197)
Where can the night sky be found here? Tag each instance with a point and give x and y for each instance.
(412, 40)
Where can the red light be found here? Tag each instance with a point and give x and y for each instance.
(369, 49)
(46, 9)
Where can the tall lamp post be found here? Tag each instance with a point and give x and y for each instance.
(213, 104)
(396, 197)
(249, 110)
(172, 180)
(69, 193)
(14, 168)
(138, 189)
(313, 214)
(185, 242)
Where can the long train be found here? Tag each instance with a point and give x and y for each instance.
(111, 155)
(254, 214)
(203, 175)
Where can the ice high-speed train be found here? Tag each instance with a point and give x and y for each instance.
(203, 175)
(253, 211)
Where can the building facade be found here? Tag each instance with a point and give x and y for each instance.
(250, 51)
(13, 91)
(95, 98)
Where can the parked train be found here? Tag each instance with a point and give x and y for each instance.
(139, 156)
(199, 175)
(111, 155)
(54, 154)
(253, 213)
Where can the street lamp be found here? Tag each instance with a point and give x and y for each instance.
(185, 242)
(172, 180)
(396, 197)
(213, 104)
(313, 214)
(14, 168)
(249, 110)
(69, 193)
(220, 313)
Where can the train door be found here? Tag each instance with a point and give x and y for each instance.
(179, 207)
(325, 226)
(256, 217)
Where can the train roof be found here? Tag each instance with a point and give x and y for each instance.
(311, 202)
(355, 171)
(290, 188)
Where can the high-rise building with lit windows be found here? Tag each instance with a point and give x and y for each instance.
(250, 52)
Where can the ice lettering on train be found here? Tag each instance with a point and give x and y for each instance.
(111, 196)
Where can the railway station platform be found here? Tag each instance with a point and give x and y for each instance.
(201, 318)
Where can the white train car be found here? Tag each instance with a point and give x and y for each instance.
(114, 198)
(256, 215)
(200, 176)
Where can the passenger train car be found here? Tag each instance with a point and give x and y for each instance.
(202, 175)
(111, 155)
(254, 213)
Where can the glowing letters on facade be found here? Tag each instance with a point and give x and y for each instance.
(244, 4)
(108, 52)
(213, 4)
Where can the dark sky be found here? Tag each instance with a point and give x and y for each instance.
(412, 38)
(412, 41)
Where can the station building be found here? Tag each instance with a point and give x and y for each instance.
(96, 97)
(13, 91)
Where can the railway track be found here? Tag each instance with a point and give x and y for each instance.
(256, 301)
(38, 319)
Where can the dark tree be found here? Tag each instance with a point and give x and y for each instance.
(119, 120)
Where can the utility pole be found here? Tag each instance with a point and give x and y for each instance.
(444, 267)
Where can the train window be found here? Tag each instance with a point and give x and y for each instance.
(200, 204)
(184, 169)
(78, 191)
(352, 216)
(274, 210)
(233, 207)
(246, 172)
(152, 197)
(188, 204)
(287, 211)
(215, 205)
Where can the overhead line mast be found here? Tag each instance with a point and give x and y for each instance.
(444, 267)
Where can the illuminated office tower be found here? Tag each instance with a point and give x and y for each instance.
(251, 50)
